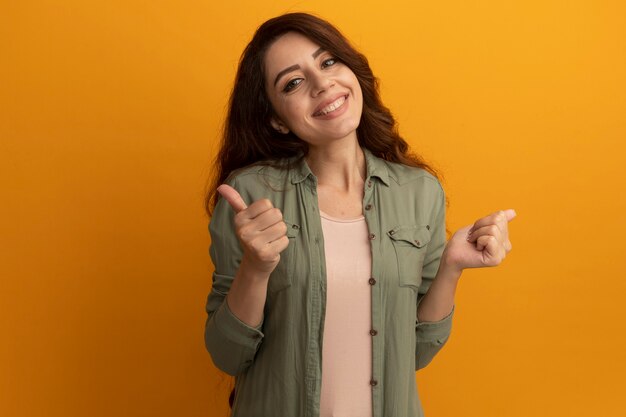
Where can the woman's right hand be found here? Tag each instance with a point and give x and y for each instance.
(260, 229)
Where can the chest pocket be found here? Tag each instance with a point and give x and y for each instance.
(410, 244)
(282, 276)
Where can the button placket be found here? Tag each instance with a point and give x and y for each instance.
(371, 217)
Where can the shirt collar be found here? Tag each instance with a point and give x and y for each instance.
(376, 168)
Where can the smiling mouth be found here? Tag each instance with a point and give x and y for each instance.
(332, 106)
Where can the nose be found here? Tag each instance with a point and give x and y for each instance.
(320, 83)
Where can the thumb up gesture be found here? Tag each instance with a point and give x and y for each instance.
(259, 228)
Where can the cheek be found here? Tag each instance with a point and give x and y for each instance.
(358, 88)
(350, 79)
(292, 111)
(358, 95)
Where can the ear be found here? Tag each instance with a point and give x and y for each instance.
(279, 126)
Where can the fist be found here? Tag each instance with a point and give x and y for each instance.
(485, 243)
(260, 229)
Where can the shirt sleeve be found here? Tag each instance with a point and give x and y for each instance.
(232, 343)
(431, 336)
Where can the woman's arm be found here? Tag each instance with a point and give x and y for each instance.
(485, 243)
(438, 302)
(262, 233)
(246, 298)
(243, 259)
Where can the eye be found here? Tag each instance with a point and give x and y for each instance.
(292, 84)
(328, 62)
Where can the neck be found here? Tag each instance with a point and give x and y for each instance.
(340, 165)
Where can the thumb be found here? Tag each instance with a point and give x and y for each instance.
(510, 214)
(232, 196)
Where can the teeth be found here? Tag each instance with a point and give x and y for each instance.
(332, 106)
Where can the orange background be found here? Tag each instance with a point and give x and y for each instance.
(109, 117)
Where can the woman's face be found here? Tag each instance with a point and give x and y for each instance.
(313, 95)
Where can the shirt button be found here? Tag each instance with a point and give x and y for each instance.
(369, 184)
(295, 226)
(373, 332)
(372, 236)
(372, 281)
(373, 382)
(368, 207)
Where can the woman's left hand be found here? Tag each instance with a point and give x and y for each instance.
(485, 243)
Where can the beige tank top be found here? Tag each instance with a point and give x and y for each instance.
(347, 345)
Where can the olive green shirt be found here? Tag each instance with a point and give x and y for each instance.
(278, 364)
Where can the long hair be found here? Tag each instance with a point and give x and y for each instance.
(248, 137)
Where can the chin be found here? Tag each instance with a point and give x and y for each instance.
(349, 128)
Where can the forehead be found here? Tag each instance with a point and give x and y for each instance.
(292, 48)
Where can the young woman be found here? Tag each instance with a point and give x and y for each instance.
(333, 280)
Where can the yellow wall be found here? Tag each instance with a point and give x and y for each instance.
(109, 113)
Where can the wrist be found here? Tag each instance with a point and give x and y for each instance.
(250, 272)
(448, 269)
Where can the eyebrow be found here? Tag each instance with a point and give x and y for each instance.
(295, 67)
(318, 52)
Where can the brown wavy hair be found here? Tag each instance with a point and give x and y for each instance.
(248, 137)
